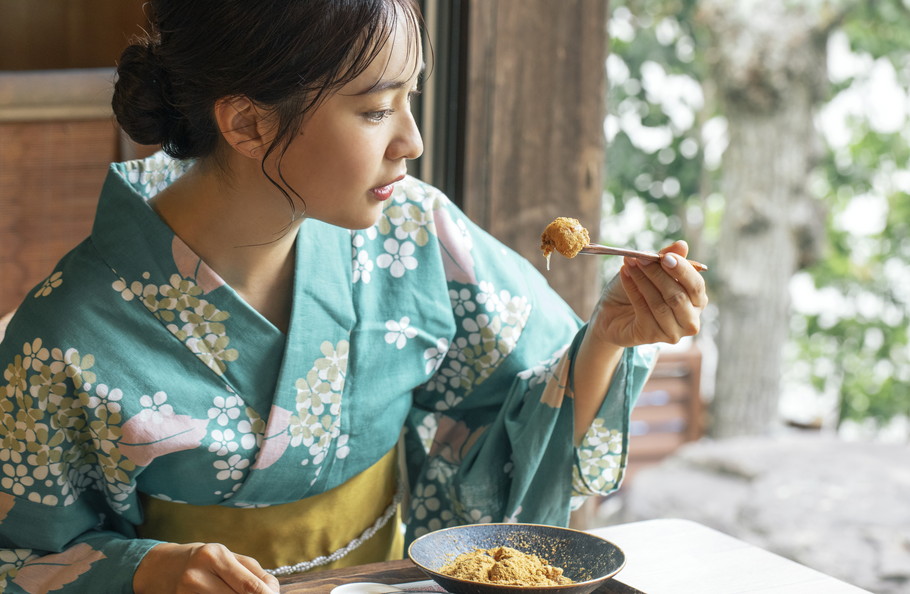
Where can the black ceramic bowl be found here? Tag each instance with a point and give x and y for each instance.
(586, 559)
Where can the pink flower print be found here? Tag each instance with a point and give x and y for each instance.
(191, 266)
(52, 572)
(453, 439)
(556, 387)
(277, 438)
(7, 502)
(455, 246)
(157, 431)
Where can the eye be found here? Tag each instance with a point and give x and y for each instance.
(378, 116)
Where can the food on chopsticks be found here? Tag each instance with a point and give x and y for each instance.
(569, 238)
(564, 235)
(505, 566)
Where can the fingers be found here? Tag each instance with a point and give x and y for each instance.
(242, 574)
(668, 297)
(684, 273)
(214, 568)
(657, 315)
(256, 569)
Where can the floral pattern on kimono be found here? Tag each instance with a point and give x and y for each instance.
(134, 364)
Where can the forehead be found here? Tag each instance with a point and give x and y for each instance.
(399, 59)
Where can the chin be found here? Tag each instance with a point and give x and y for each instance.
(359, 223)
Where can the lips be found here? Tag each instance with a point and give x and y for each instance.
(385, 192)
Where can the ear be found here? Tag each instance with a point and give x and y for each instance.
(243, 125)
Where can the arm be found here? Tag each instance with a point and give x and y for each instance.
(648, 303)
(493, 433)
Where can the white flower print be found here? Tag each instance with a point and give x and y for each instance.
(538, 374)
(435, 355)
(232, 468)
(459, 376)
(600, 456)
(399, 257)
(248, 437)
(462, 302)
(515, 311)
(513, 518)
(440, 471)
(445, 519)
(106, 398)
(153, 174)
(157, 404)
(399, 332)
(449, 400)
(357, 240)
(476, 516)
(222, 442)
(10, 562)
(425, 501)
(486, 293)
(224, 410)
(426, 430)
(363, 268)
(343, 449)
(466, 239)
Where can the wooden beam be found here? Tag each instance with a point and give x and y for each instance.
(534, 142)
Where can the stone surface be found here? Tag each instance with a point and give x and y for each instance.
(840, 507)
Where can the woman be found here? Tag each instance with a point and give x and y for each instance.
(218, 378)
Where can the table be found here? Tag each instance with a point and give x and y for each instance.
(665, 556)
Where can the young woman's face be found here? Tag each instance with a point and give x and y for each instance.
(353, 146)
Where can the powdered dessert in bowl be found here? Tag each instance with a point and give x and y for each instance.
(516, 558)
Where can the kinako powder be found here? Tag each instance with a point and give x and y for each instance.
(505, 566)
(564, 235)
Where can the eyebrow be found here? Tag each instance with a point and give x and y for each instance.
(391, 84)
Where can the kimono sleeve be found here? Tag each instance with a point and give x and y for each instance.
(490, 436)
(59, 530)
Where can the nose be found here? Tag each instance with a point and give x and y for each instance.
(407, 142)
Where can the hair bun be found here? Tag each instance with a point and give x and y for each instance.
(141, 102)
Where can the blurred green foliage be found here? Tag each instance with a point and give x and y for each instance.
(849, 336)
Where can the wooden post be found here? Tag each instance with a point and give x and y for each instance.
(534, 141)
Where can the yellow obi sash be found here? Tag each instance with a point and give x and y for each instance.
(304, 533)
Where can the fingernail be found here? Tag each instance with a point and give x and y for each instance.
(670, 260)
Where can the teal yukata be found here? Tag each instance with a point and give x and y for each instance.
(134, 368)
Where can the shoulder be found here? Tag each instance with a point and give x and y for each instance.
(63, 305)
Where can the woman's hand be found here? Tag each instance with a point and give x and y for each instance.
(651, 302)
(200, 568)
(646, 302)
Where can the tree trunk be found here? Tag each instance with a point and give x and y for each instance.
(769, 68)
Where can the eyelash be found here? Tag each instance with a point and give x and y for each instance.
(378, 116)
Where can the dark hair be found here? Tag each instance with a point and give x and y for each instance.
(285, 55)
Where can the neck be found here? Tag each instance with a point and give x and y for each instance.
(245, 234)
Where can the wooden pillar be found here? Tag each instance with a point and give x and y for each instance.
(535, 85)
